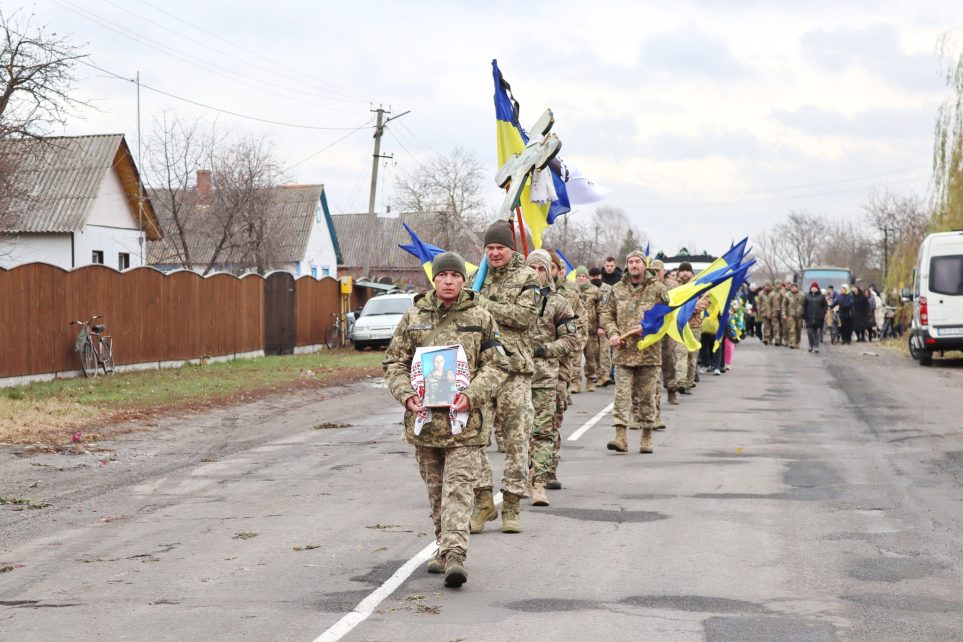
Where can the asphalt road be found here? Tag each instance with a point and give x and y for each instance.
(797, 497)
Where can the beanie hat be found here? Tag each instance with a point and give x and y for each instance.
(767, 283)
(448, 262)
(657, 264)
(595, 271)
(540, 257)
(500, 232)
(581, 271)
(814, 284)
(637, 253)
(685, 266)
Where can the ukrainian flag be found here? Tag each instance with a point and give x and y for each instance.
(569, 270)
(426, 252)
(512, 139)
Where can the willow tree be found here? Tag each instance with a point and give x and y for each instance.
(948, 145)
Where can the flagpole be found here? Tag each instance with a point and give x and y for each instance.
(521, 230)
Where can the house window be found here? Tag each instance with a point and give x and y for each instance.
(123, 261)
(314, 271)
(325, 271)
(97, 256)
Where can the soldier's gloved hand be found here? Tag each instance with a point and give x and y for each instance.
(540, 351)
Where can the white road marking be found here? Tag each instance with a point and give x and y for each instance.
(591, 422)
(368, 605)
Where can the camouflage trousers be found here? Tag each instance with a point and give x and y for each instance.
(541, 451)
(561, 405)
(635, 390)
(767, 330)
(449, 474)
(776, 331)
(668, 362)
(605, 359)
(787, 331)
(591, 351)
(681, 363)
(793, 331)
(514, 415)
(692, 359)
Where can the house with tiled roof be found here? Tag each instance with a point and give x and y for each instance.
(297, 234)
(372, 241)
(78, 200)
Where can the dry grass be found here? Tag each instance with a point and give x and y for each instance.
(49, 413)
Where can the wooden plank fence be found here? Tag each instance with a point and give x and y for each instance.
(156, 317)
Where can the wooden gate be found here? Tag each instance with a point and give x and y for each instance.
(280, 314)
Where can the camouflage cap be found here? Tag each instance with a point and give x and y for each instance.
(767, 283)
(541, 258)
(657, 264)
(581, 271)
(637, 253)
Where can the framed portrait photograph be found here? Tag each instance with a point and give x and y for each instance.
(439, 368)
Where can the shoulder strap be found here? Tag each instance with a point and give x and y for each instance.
(444, 323)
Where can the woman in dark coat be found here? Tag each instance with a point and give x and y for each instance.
(845, 303)
(860, 314)
(814, 314)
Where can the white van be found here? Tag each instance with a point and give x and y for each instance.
(938, 297)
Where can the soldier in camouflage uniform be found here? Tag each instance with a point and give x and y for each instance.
(570, 365)
(785, 316)
(667, 370)
(637, 371)
(764, 304)
(605, 350)
(448, 462)
(555, 335)
(775, 311)
(591, 296)
(511, 294)
(793, 315)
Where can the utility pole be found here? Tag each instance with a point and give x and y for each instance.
(885, 253)
(140, 181)
(370, 228)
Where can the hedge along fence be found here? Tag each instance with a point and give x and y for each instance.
(153, 317)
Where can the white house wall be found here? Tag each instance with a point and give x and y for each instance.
(320, 250)
(36, 248)
(111, 241)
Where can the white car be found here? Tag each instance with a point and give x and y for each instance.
(378, 320)
(938, 297)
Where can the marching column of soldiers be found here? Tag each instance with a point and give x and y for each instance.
(780, 308)
(529, 337)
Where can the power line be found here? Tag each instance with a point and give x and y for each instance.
(259, 54)
(255, 65)
(211, 107)
(185, 58)
(327, 147)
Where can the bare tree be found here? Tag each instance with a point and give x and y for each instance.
(798, 240)
(452, 187)
(766, 255)
(36, 80)
(948, 142)
(897, 220)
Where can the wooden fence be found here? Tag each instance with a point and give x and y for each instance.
(156, 317)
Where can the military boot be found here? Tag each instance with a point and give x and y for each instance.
(483, 511)
(619, 444)
(511, 523)
(455, 573)
(659, 423)
(436, 564)
(553, 484)
(575, 388)
(646, 446)
(539, 498)
(589, 386)
(673, 397)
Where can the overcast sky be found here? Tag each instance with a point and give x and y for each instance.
(707, 120)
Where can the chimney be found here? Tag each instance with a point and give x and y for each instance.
(204, 186)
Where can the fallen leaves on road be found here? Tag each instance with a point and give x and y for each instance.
(307, 547)
(244, 535)
(382, 526)
(330, 425)
(430, 610)
(22, 503)
(115, 518)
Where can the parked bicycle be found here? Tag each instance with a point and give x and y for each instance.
(834, 329)
(335, 335)
(96, 348)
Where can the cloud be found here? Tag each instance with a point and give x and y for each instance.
(690, 51)
(876, 123)
(875, 49)
(727, 144)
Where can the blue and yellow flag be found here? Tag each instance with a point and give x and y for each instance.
(426, 252)
(569, 270)
(512, 139)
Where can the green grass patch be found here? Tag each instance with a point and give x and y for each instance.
(30, 412)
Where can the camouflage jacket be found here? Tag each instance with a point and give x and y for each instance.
(775, 303)
(511, 294)
(557, 332)
(623, 312)
(591, 299)
(475, 330)
(763, 304)
(566, 365)
(792, 305)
